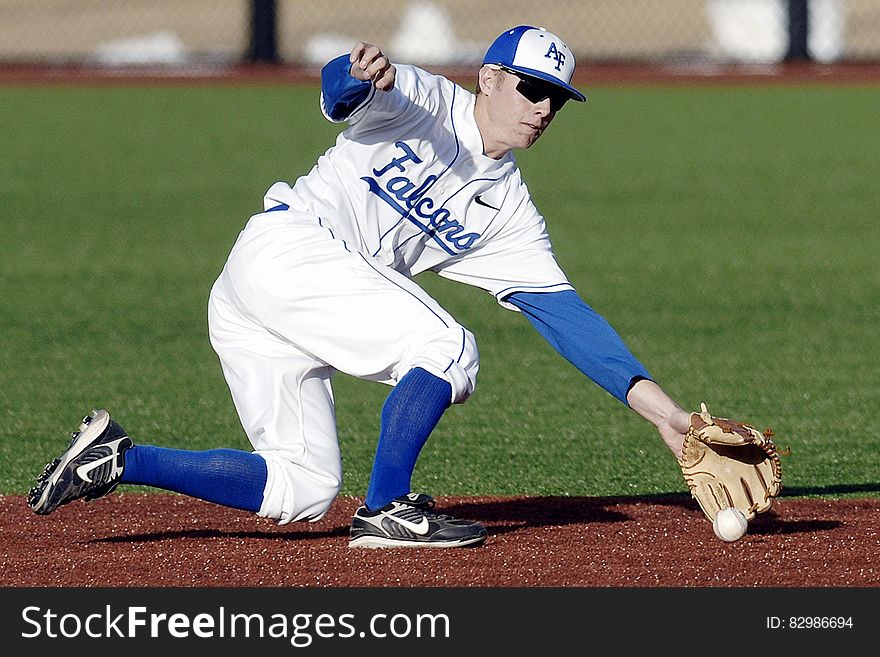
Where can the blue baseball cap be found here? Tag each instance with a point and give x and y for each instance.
(536, 52)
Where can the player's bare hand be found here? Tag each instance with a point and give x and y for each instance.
(368, 62)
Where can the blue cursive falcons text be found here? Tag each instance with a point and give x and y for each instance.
(412, 203)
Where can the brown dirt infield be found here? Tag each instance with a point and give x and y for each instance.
(162, 540)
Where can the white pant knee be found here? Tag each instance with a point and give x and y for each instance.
(293, 492)
(452, 355)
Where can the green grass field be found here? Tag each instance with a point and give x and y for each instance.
(731, 235)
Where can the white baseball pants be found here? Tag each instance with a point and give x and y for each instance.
(292, 306)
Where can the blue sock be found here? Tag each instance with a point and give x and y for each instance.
(229, 477)
(409, 415)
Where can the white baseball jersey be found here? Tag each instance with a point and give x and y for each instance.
(408, 184)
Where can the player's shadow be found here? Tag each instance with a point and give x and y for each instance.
(506, 516)
(502, 516)
(539, 511)
(273, 534)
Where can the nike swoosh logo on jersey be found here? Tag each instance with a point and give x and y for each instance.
(85, 469)
(479, 199)
(421, 527)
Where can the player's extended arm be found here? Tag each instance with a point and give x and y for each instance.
(590, 343)
(349, 80)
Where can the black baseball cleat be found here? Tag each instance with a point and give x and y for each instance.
(90, 467)
(410, 521)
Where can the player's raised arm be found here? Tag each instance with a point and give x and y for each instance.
(368, 62)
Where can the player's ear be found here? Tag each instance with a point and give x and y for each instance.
(488, 79)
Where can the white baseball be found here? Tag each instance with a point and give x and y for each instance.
(730, 524)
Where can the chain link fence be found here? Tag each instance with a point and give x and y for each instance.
(224, 32)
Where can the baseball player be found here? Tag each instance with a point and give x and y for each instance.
(422, 178)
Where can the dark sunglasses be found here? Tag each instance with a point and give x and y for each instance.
(535, 90)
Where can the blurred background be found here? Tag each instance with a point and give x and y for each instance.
(218, 33)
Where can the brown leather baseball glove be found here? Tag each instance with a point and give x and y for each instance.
(730, 464)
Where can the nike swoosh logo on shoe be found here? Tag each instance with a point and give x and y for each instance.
(421, 527)
(479, 200)
(85, 469)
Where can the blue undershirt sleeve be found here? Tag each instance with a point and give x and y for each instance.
(583, 337)
(341, 94)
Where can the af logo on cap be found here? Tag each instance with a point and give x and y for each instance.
(536, 52)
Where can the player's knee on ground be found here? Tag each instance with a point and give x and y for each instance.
(294, 492)
(452, 355)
